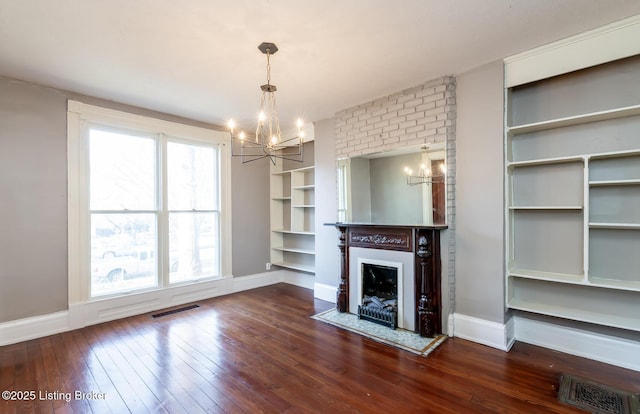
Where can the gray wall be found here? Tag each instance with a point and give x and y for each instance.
(327, 253)
(33, 200)
(360, 189)
(250, 219)
(479, 229)
(392, 200)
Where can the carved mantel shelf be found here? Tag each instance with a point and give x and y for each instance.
(422, 241)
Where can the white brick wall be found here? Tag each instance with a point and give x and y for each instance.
(423, 114)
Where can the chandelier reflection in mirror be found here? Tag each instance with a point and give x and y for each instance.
(268, 142)
(425, 175)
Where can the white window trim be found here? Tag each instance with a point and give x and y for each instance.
(78, 117)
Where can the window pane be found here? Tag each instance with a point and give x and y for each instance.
(191, 172)
(122, 171)
(193, 246)
(123, 252)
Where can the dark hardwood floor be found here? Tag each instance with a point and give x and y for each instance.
(259, 351)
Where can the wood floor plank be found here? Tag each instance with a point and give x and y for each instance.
(260, 352)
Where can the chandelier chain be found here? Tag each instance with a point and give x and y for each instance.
(268, 67)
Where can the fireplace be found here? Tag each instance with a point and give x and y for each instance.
(380, 292)
(416, 249)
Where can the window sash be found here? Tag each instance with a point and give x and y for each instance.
(81, 118)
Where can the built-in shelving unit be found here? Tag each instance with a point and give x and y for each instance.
(573, 204)
(292, 218)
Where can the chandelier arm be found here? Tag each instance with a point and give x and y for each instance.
(271, 145)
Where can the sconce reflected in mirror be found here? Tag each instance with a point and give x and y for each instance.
(426, 169)
(374, 189)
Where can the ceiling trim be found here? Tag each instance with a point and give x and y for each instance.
(607, 43)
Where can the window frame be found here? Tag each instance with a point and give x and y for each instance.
(80, 117)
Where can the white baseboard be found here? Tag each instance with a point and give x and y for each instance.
(257, 280)
(304, 280)
(99, 311)
(493, 334)
(29, 328)
(91, 313)
(604, 348)
(325, 292)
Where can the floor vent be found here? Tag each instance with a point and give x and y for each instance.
(172, 311)
(597, 398)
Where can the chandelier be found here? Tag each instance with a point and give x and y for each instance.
(268, 141)
(425, 175)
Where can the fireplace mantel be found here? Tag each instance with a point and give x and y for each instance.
(422, 241)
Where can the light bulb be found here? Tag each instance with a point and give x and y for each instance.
(262, 116)
(231, 124)
(299, 123)
(408, 171)
(242, 135)
(274, 139)
(443, 168)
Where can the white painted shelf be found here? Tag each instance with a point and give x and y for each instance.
(547, 276)
(575, 120)
(292, 218)
(294, 250)
(543, 161)
(545, 208)
(617, 226)
(296, 266)
(572, 209)
(584, 315)
(307, 233)
(607, 183)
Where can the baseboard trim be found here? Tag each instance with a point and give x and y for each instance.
(304, 280)
(493, 334)
(325, 292)
(257, 280)
(29, 328)
(604, 348)
(99, 311)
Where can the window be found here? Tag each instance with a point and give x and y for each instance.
(344, 211)
(147, 203)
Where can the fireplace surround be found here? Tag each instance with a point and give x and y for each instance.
(423, 244)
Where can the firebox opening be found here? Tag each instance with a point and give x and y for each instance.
(379, 294)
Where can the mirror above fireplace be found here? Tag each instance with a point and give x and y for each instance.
(403, 187)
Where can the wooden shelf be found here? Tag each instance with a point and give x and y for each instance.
(575, 120)
(304, 187)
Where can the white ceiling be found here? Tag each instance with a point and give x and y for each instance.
(199, 58)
